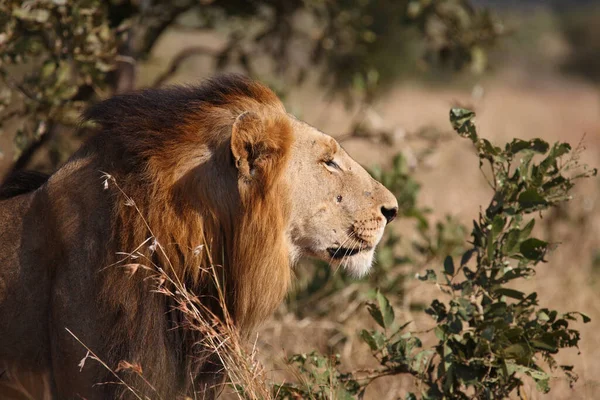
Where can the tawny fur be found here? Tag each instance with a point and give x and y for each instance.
(196, 179)
(188, 178)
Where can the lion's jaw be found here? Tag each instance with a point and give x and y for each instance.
(358, 253)
(339, 212)
(358, 265)
(351, 249)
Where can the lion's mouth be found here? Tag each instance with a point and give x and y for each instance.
(337, 253)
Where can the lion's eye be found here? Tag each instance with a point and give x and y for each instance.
(331, 164)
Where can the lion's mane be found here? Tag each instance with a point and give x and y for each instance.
(160, 172)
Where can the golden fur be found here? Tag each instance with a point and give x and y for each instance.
(149, 144)
(181, 179)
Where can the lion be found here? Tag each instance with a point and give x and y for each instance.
(215, 174)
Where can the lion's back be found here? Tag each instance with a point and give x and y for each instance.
(24, 282)
(48, 251)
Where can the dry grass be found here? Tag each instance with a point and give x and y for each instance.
(245, 376)
(244, 373)
(218, 333)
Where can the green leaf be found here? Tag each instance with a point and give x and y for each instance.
(437, 310)
(525, 232)
(374, 339)
(516, 146)
(536, 145)
(514, 333)
(439, 332)
(491, 246)
(523, 172)
(462, 122)
(511, 242)
(486, 148)
(376, 314)
(543, 385)
(539, 145)
(465, 308)
(488, 333)
(583, 316)
(455, 324)
(533, 249)
(542, 316)
(497, 226)
(514, 294)
(519, 352)
(540, 377)
(382, 312)
(538, 344)
(558, 150)
(466, 257)
(421, 359)
(531, 198)
(467, 286)
(386, 310)
(449, 266)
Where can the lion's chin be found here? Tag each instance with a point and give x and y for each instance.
(359, 264)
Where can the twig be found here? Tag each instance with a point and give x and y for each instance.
(132, 390)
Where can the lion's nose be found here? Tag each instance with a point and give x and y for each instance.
(389, 213)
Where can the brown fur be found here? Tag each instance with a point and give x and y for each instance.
(203, 166)
(21, 182)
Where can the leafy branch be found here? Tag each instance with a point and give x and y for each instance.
(490, 336)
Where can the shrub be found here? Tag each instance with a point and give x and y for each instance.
(59, 57)
(489, 334)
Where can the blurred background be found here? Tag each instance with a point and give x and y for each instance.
(381, 77)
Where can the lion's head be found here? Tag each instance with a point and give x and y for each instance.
(228, 167)
(339, 211)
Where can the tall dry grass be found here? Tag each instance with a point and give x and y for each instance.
(219, 335)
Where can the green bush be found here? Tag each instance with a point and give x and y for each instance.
(490, 335)
(58, 57)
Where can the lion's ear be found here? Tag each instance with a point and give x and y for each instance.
(260, 146)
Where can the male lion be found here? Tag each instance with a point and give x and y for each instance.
(221, 165)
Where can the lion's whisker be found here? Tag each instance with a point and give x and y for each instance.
(339, 248)
(345, 259)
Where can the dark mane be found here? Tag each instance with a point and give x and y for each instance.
(167, 107)
(21, 182)
(181, 179)
(154, 109)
